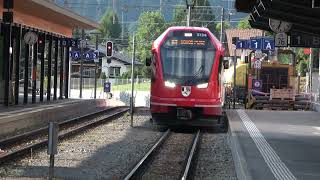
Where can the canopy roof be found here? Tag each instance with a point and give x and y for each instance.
(298, 12)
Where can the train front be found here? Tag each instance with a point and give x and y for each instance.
(187, 85)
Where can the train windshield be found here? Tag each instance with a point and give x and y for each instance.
(187, 57)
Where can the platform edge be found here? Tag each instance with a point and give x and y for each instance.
(240, 163)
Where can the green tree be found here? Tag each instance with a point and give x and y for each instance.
(226, 25)
(200, 16)
(244, 23)
(302, 61)
(150, 26)
(109, 25)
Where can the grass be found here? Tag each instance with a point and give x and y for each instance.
(127, 87)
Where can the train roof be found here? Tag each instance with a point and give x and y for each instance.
(158, 41)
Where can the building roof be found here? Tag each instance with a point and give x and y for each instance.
(46, 15)
(242, 34)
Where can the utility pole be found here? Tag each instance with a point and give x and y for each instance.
(161, 6)
(222, 23)
(132, 79)
(122, 30)
(114, 10)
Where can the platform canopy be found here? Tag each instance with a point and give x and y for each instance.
(47, 16)
(303, 14)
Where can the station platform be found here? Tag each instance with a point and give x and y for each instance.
(316, 106)
(21, 118)
(272, 145)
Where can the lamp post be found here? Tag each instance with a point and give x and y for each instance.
(96, 63)
(190, 4)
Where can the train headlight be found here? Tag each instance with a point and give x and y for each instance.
(202, 86)
(169, 84)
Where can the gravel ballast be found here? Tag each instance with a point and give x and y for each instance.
(111, 150)
(214, 160)
(105, 152)
(169, 162)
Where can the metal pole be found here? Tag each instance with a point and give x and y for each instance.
(95, 69)
(122, 28)
(81, 64)
(161, 4)
(188, 16)
(7, 45)
(51, 168)
(234, 77)
(310, 71)
(319, 76)
(132, 79)
(221, 22)
(299, 83)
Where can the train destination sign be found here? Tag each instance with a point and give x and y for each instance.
(186, 39)
(298, 39)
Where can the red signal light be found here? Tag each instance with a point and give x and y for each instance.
(109, 48)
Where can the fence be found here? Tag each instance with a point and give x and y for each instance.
(88, 83)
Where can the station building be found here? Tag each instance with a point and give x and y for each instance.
(39, 72)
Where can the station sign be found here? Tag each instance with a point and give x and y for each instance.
(257, 84)
(74, 42)
(257, 64)
(298, 39)
(87, 56)
(107, 87)
(268, 44)
(64, 42)
(83, 44)
(75, 54)
(242, 44)
(260, 43)
(256, 44)
(90, 56)
(281, 40)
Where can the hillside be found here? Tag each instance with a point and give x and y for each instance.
(131, 9)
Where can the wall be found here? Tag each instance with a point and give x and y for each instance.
(114, 63)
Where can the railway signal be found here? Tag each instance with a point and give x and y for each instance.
(109, 49)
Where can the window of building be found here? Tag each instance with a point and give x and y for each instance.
(114, 71)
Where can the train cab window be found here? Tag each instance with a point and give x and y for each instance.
(187, 57)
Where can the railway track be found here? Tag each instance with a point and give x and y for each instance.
(19, 145)
(160, 153)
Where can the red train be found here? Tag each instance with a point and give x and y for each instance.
(187, 80)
